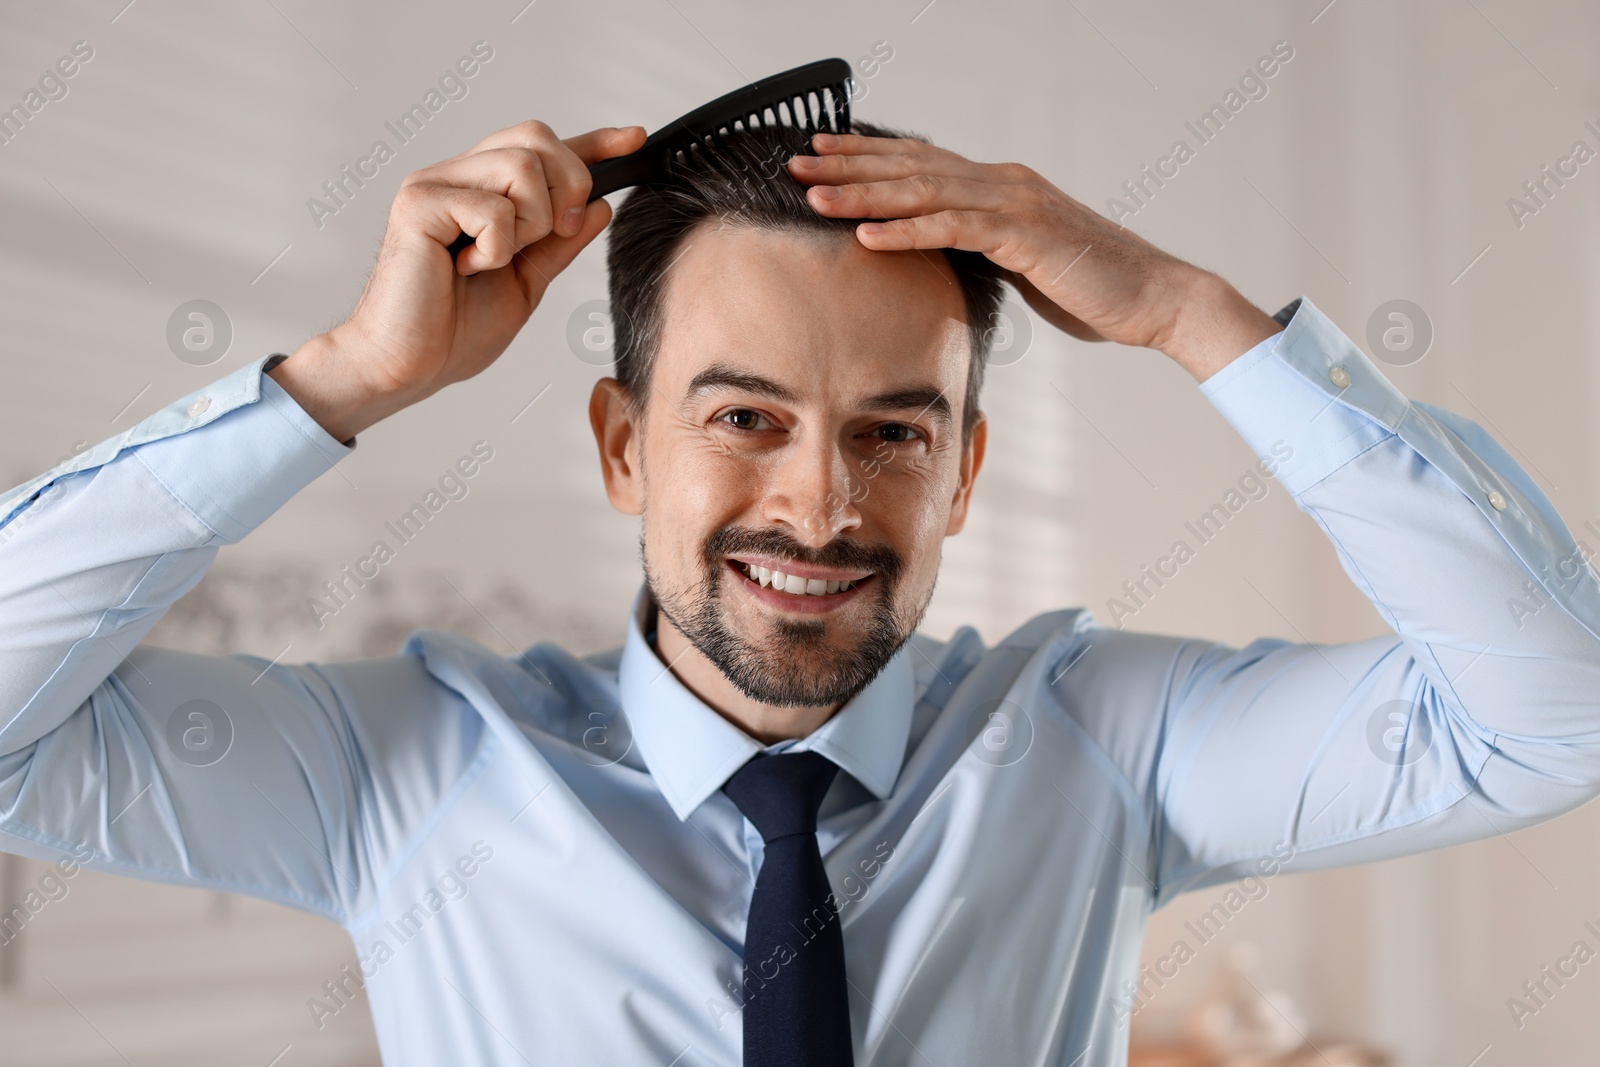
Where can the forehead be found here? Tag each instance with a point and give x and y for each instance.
(815, 310)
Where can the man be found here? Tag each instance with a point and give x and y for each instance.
(778, 826)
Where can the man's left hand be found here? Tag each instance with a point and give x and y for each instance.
(1079, 270)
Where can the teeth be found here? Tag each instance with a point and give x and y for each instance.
(793, 583)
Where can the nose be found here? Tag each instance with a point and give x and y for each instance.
(814, 493)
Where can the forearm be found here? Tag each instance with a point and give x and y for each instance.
(1214, 324)
(324, 379)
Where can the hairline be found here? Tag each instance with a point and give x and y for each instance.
(650, 344)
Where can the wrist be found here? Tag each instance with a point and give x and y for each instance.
(325, 378)
(1213, 326)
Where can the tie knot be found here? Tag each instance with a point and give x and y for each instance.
(782, 794)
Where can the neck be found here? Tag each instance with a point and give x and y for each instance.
(767, 723)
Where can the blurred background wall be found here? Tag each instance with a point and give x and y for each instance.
(1376, 165)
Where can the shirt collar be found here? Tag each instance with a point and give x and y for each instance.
(691, 750)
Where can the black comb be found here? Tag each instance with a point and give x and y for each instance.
(814, 98)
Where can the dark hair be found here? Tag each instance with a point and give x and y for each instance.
(743, 179)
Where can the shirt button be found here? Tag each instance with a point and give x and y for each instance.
(1339, 376)
(199, 406)
(1497, 501)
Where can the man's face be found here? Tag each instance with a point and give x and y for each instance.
(804, 417)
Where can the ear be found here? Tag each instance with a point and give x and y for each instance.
(618, 439)
(971, 462)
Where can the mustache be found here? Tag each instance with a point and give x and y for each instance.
(882, 560)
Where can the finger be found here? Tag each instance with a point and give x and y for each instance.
(862, 145)
(920, 194)
(516, 173)
(538, 264)
(566, 175)
(842, 168)
(567, 169)
(565, 162)
(605, 143)
(974, 231)
(441, 212)
(530, 133)
(569, 182)
(522, 135)
(570, 195)
(536, 134)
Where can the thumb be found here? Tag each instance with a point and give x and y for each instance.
(606, 143)
(540, 262)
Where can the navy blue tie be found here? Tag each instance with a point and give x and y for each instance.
(796, 1004)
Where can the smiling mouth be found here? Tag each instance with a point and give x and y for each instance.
(794, 584)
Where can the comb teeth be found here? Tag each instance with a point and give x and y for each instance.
(825, 109)
(814, 98)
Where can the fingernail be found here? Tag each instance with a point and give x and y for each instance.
(826, 140)
(826, 192)
(872, 227)
(806, 162)
(572, 221)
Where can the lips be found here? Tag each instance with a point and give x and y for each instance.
(834, 576)
(800, 579)
(844, 590)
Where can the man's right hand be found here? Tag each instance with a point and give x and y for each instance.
(424, 321)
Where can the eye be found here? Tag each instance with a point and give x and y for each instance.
(744, 419)
(896, 433)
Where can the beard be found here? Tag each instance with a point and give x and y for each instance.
(795, 666)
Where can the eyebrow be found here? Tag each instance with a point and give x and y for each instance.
(924, 398)
(720, 376)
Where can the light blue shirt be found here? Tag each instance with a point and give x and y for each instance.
(533, 856)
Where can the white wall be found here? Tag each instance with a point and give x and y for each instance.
(1377, 167)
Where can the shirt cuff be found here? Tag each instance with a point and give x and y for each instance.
(1307, 400)
(235, 451)
(232, 451)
